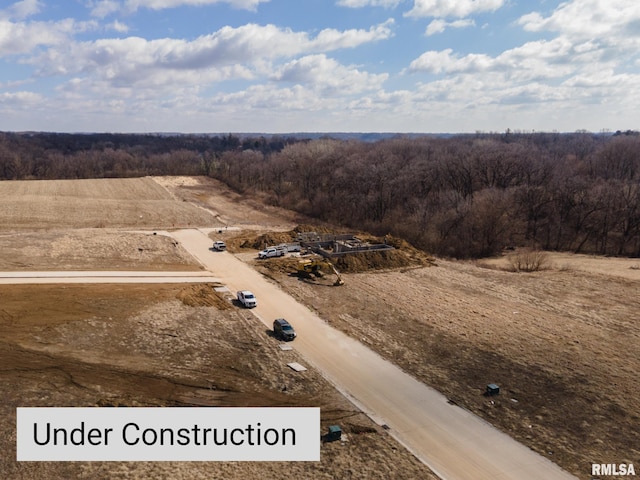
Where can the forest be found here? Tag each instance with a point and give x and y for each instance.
(461, 196)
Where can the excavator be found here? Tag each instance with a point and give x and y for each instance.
(314, 267)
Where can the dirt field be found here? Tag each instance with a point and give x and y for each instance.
(561, 343)
(170, 345)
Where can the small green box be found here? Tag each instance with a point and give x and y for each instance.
(335, 433)
(493, 389)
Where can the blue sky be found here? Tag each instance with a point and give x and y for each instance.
(278, 66)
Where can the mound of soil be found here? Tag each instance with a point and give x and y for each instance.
(203, 295)
(252, 240)
(258, 241)
(268, 239)
(375, 260)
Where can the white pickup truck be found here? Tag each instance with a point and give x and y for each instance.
(279, 250)
(247, 298)
(272, 252)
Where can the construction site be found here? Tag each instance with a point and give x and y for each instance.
(553, 340)
(337, 245)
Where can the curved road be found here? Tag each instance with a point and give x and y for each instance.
(452, 441)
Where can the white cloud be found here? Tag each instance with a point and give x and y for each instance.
(22, 9)
(438, 25)
(272, 99)
(151, 75)
(22, 38)
(103, 8)
(328, 76)
(609, 31)
(581, 75)
(445, 62)
(137, 62)
(368, 3)
(163, 4)
(118, 27)
(595, 33)
(588, 19)
(133, 5)
(133, 59)
(452, 8)
(330, 39)
(20, 99)
(544, 59)
(485, 101)
(155, 77)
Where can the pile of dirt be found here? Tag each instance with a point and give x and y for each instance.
(375, 260)
(268, 240)
(203, 295)
(252, 240)
(258, 241)
(352, 263)
(405, 255)
(305, 228)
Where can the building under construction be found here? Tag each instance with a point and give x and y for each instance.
(333, 246)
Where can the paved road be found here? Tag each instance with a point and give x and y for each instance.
(453, 442)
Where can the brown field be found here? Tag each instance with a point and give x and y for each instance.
(562, 343)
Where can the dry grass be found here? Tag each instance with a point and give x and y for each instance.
(58, 204)
(561, 344)
(141, 345)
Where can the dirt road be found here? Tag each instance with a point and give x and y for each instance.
(453, 442)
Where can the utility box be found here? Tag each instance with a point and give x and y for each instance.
(335, 433)
(492, 389)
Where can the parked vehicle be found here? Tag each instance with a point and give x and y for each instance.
(272, 252)
(247, 299)
(219, 246)
(290, 247)
(283, 330)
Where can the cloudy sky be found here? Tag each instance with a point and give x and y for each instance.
(279, 66)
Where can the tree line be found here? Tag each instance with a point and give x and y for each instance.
(48, 156)
(465, 196)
